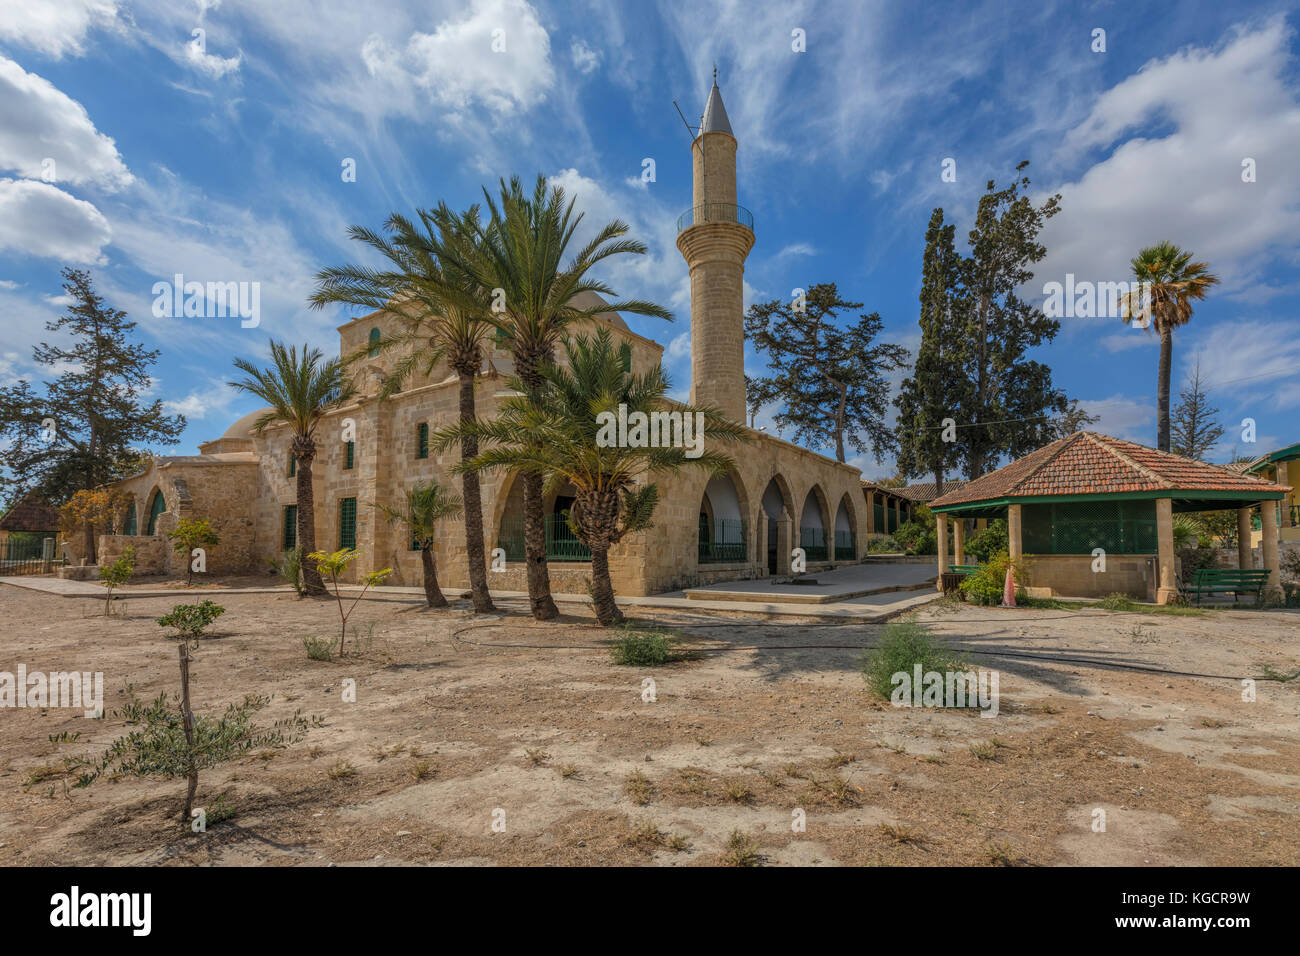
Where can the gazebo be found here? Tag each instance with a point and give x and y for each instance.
(1090, 496)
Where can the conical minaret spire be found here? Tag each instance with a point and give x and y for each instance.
(715, 237)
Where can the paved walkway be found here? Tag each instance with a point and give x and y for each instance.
(833, 587)
(869, 608)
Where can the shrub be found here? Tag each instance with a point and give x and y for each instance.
(984, 544)
(191, 533)
(334, 564)
(289, 568)
(914, 537)
(905, 644)
(884, 545)
(986, 585)
(319, 648)
(191, 620)
(641, 649)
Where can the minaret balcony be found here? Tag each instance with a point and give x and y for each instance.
(716, 212)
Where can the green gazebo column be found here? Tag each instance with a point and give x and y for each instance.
(1245, 556)
(941, 529)
(1268, 510)
(1167, 587)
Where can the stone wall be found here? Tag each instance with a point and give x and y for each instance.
(1071, 575)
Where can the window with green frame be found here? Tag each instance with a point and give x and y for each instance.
(290, 527)
(293, 466)
(157, 507)
(347, 522)
(374, 343)
(422, 441)
(350, 455)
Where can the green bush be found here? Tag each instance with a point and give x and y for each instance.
(641, 649)
(985, 586)
(883, 546)
(289, 568)
(915, 538)
(191, 620)
(904, 644)
(984, 544)
(319, 649)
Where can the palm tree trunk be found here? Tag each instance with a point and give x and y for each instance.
(312, 585)
(602, 588)
(473, 499)
(432, 593)
(539, 578)
(1162, 387)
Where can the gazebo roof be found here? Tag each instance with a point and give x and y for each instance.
(1088, 465)
(1289, 453)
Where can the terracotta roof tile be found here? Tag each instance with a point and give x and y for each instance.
(29, 515)
(1090, 463)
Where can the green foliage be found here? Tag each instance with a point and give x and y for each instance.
(191, 533)
(158, 745)
(117, 574)
(641, 649)
(289, 568)
(904, 644)
(94, 392)
(984, 544)
(191, 620)
(986, 585)
(885, 545)
(319, 649)
(915, 538)
(334, 563)
(427, 503)
(831, 380)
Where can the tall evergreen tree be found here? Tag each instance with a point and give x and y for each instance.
(1013, 406)
(938, 388)
(1195, 427)
(89, 425)
(830, 378)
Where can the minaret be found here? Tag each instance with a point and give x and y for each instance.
(714, 237)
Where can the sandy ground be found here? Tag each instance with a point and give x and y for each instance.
(532, 726)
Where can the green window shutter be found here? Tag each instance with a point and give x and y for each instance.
(422, 443)
(290, 527)
(350, 460)
(348, 523)
(415, 545)
(129, 527)
(156, 507)
(374, 343)
(293, 466)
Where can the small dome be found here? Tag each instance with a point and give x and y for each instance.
(243, 427)
(590, 300)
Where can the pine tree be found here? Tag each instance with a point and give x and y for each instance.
(1195, 427)
(937, 388)
(1013, 406)
(88, 426)
(830, 378)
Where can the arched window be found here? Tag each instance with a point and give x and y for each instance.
(129, 527)
(374, 343)
(156, 507)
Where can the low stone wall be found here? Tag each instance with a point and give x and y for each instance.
(1071, 575)
(152, 552)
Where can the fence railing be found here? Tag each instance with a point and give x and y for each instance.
(716, 212)
(725, 544)
(28, 556)
(813, 542)
(561, 543)
(844, 546)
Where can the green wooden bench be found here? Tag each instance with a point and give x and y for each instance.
(963, 568)
(1223, 580)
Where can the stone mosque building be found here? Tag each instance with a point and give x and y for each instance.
(741, 525)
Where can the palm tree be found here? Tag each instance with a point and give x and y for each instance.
(1174, 283)
(441, 315)
(555, 432)
(301, 390)
(518, 260)
(426, 504)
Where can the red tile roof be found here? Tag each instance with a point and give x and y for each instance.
(1088, 463)
(29, 515)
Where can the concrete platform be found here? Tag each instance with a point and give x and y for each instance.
(832, 587)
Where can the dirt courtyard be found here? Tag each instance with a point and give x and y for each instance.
(501, 741)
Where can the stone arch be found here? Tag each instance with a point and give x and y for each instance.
(846, 530)
(157, 508)
(507, 525)
(777, 525)
(724, 535)
(372, 342)
(815, 525)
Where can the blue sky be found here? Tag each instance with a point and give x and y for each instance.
(222, 160)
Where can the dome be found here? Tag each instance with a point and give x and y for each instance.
(243, 427)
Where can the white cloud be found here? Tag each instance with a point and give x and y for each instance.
(1219, 106)
(8, 284)
(797, 249)
(196, 55)
(1246, 359)
(54, 27)
(42, 220)
(212, 402)
(498, 55)
(40, 124)
(1123, 417)
(584, 58)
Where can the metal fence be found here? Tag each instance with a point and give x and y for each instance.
(844, 546)
(726, 543)
(29, 555)
(561, 543)
(716, 212)
(813, 542)
(1080, 527)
